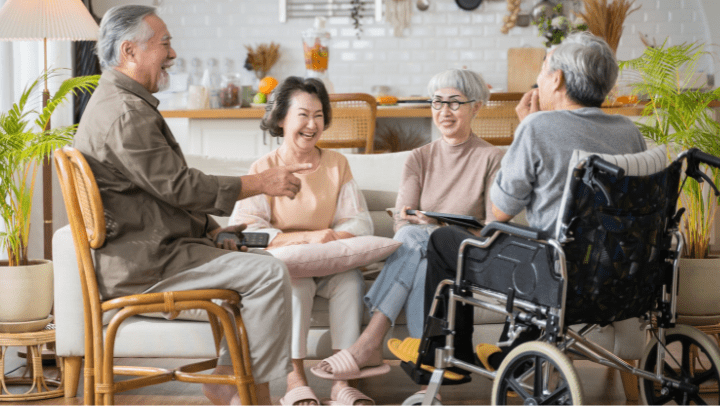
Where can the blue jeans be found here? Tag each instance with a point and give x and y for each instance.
(401, 283)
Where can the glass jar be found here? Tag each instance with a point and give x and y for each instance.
(315, 48)
(230, 86)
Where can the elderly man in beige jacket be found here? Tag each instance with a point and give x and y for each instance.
(160, 236)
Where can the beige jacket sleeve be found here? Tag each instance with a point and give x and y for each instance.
(148, 159)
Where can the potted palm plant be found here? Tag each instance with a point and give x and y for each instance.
(25, 141)
(678, 116)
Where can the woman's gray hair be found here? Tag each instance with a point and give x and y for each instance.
(119, 24)
(469, 83)
(589, 67)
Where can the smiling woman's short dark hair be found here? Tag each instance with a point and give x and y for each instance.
(280, 100)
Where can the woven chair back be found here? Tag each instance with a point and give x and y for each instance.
(496, 121)
(353, 122)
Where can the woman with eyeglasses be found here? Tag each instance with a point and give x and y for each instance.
(450, 175)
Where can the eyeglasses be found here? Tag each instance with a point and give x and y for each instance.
(453, 104)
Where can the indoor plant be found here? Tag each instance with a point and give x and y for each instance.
(677, 115)
(554, 26)
(25, 141)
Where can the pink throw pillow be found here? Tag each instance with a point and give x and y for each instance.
(306, 260)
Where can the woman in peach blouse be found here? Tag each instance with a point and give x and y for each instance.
(329, 206)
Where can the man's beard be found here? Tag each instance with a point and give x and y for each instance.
(163, 81)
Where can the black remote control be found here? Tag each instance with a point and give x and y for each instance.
(250, 240)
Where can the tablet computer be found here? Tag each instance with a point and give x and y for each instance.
(457, 219)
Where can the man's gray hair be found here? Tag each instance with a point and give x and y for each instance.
(588, 65)
(119, 24)
(469, 83)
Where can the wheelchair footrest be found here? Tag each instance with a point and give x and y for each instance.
(422, 377)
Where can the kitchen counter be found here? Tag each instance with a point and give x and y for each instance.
(258, 112)
(235, 132)
(397, 111)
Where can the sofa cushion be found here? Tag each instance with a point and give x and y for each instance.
(219, 166)
(378, 176)
(379, 200)
(305, 260)
(378, 172)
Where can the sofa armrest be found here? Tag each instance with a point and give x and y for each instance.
(68, 307)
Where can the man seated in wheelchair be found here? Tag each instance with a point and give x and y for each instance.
(561, 115)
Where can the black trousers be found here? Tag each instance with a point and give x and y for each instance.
(442, 256)
(442, 259)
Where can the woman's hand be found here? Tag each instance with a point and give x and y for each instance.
(529, 104)
(417, 218)
(320, 236)
(308, 237)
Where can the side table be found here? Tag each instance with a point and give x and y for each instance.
(34, 377)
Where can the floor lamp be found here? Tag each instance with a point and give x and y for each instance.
(35, 20)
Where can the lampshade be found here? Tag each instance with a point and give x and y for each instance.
(62, 20)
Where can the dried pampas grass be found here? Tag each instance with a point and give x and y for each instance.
(605, 19)
(263, 57)
(399, 13)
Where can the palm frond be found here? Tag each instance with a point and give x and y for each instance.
(22, 149)
(70, 86)
(677, 115)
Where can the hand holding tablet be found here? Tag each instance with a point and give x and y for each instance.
(457, 219)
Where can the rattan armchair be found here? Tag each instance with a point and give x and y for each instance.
(353, 122)
(496, 121)
(87, 222)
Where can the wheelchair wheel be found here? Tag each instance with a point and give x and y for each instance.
(417, 399)
(539, 374)
(692, 357)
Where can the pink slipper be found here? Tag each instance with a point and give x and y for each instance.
(348, 396)
(299, 394)
(344, 367)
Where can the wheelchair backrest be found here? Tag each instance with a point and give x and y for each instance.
(616, 251)
(641, 164)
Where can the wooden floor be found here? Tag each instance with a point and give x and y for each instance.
(601, 386)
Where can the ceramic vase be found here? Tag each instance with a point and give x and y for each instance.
(26, 292)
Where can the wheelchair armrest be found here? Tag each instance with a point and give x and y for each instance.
(510, 228)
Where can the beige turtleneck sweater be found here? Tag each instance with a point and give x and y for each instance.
(448, 178)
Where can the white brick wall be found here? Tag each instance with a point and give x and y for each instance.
(442, 37)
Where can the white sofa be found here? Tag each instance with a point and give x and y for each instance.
(379, 177)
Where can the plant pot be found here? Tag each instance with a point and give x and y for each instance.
(698, 300)
(26, 292)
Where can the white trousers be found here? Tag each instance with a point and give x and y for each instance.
(344, 292)
(263, 283)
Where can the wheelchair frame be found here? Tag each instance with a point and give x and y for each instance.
(521, 313)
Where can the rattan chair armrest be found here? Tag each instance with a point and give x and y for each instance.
(227, 295)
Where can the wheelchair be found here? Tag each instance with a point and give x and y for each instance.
(614, 256)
